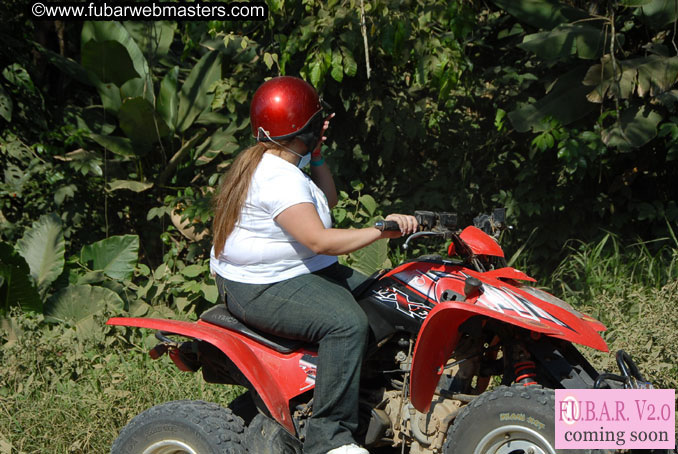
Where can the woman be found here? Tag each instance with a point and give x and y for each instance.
(275, 253)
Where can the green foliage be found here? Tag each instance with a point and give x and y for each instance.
(82, 307)
(16, 286)
(108, 61)
(589, 139)
(6, 105)
(634, 292)
(43, 247)
(26, 282)
(193, 96)
(115, 256)
(360, 212)
(606, 266)
(617, 77)
(371, 259)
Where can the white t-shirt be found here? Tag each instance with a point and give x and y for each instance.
(259, 251)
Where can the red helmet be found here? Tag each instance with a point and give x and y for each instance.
(285, 107)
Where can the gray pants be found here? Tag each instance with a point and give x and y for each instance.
(317, 308)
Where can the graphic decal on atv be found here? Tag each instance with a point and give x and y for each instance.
(427, 282)
(401, 301)
(307, 363)
(505, 300)
(418, 280)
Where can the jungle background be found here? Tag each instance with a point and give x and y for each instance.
(113, 136)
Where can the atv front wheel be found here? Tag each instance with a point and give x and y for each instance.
(507, 420)
(182, 427)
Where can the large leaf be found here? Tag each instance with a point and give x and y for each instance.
(602, 77)
(5, 105)
(77, 303)
(371, 258)
(140, 122)
(131, 185)
(66, 65)
(43, 248)
(17, 75)
(168, 98)
(651, 75)
(95, 120)
(369, 203)
(153, 37)
(222, 141)
(566, 102)
(115, 256)
(122, 146)
(565, 40)
(109, 61)
(194, 97)
(659, 13)
(109, 93)
(543, 14)
(16, 286)
(636, 127)
(209, 117)
(657, 74)
(114, 31)
(134, 88)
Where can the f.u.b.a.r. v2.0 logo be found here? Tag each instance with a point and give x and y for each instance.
(613, 419)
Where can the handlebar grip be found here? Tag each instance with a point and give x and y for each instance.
(387, 225)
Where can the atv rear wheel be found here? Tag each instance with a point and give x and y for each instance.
(244, 406)
(182, 427)
(507, 420)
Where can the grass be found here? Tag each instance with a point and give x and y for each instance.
(62, 394)
(633, 290)
(59, 396)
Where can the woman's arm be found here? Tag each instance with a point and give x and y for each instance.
(322, 177)
(303, 223)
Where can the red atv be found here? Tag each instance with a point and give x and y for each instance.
(441, 330)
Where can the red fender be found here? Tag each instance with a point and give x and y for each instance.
(437, 340)
(263, 367)
(480, 242)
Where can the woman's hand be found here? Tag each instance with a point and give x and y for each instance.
(315, 155)
(408, 225)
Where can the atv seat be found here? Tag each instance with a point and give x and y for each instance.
(219, 315)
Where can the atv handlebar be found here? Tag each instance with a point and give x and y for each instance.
(445, 223)
(386, 226)
(427, 220)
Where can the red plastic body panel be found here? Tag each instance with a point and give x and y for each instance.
(480, 242)
(263, 367)
(508, 300)
(509, 273)
(436, 342)
(502, 298)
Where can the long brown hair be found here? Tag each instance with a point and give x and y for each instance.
(232, 193)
